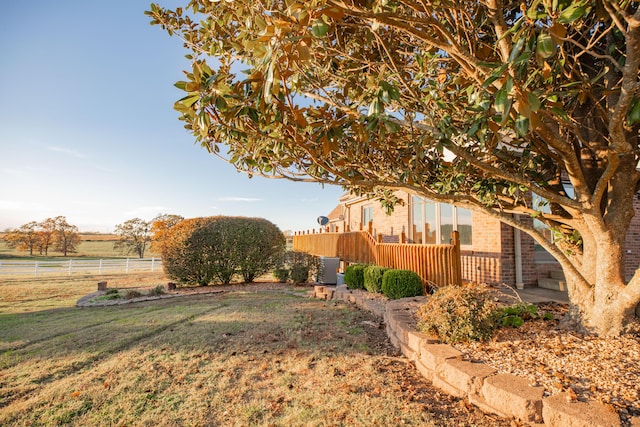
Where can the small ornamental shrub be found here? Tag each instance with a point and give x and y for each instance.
(515, 315)
(296, 267)
(111, 294)
(299, 273)
(354, 276)
(401, 284)
(281, 274)
(132, 294)
(460, 313)
(373, 278)
(158, 290)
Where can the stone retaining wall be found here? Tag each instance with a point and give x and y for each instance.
(503, 394)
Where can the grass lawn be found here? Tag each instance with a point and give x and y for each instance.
(238, 358)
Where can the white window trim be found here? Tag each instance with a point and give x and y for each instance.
(438, 225)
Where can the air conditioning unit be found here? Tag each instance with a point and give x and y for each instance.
(327, 271)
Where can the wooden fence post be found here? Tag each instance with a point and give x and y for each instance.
(456, 264)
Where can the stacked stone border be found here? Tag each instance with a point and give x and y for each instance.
(502, 394)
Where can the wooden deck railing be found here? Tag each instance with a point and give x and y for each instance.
(439, 264)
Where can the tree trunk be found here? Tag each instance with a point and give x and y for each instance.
(601, 303)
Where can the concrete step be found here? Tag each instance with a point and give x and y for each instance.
(553, 284)
(557, 274)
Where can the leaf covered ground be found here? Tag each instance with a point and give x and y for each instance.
(256, 355)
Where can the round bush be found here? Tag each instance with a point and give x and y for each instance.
(401, 284)
(460, 313)
(373, 278)
(215, 249)
(281, 274)
(354, 276)
(300, 274)
(296, 266)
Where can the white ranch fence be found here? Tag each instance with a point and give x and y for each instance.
(73, 266)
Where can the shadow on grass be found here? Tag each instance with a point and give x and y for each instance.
(243, 358)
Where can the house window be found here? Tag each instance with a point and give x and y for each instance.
(367, 215)
(433, 222)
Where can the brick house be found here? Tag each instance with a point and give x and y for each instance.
(492, 252)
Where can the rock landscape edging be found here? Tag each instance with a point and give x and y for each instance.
(503, 394)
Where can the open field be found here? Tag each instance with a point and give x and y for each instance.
(91, 246)
(254, 355)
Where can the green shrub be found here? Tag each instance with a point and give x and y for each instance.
(460, 313)
(296, 267)
(112, 291)
(373, 278)
(299, 273)
(215, 249)
(258, 246)
(354, 276)
(281, 274)
(515, 315)
(401, 284)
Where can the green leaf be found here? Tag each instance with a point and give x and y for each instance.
(319, 28)
(534, 101)
(573, 12)
(502, 102)
(536, 12)
(188, 101)
(546, 46)
(634, 112)
(517, 48)
(497, 73)
(375, 108)
(522, 125)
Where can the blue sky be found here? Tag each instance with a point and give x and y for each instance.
(88, 130)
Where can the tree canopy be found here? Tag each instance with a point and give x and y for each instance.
(476, 103)
(133, 236)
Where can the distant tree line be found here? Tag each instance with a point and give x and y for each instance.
(56, 234)
(51, 234)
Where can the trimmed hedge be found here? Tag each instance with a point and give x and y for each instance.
(354, 276)
(215, 249)
(373, 278)
(401, 284)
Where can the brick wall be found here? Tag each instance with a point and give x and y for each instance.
(632, 243)
(491, 258)
(390, 226)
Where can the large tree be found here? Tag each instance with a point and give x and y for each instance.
(160, 226)
(46, 235)
(476, 103)
(65, 237)
(23, 238)
(133, 236)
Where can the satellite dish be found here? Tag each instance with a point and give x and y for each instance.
(323, 220)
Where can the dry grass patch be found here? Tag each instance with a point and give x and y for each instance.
(22, 294)
(237, 358)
